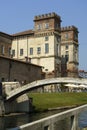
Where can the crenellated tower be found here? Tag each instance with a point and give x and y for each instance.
(69, 50)
(47, 32)
(47, 22)
(49, 45)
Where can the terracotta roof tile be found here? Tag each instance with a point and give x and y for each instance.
(17, 60)
(5, 35)
(27, 32)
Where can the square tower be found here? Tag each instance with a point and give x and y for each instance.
(47, 34)
(47, 22)
(69, 50)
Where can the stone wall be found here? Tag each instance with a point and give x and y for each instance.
(15, 70)
(20, 104)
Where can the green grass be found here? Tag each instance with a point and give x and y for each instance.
(43, 101)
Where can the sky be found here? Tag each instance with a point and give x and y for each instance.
(18, 15)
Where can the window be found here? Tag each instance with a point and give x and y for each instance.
(57, 25)
(46, 38)
(21, 52)
(67, 47)
(46, 25)
(31, 51)
(38, 50)
(2, 49)
(39, 26)
(13, 52)
(46, 48)
(58, 39)
(76, 36)
(46, 69)
(9, 51)
(57, 49)
(66, 35)
(67, 56)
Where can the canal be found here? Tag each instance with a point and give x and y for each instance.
(14, 120)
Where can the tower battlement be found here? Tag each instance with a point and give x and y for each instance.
(46, 16)
(69, 28)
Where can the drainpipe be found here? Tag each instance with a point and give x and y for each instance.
(27, 46)
(9, 71)
(17, 48)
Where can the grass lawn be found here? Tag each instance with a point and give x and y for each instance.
(43, 101)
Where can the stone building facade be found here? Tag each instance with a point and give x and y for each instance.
(16, 70)
(5, 44)
(49, 45)
(69, 49)
(41, 45)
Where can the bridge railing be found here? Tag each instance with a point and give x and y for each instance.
(53, 122)
(40, 83)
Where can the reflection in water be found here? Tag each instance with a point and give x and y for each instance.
(13, 121)
(8, 122)
(83, 119)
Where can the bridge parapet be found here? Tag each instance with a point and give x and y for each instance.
(56, 121)
(8, 87)
(20, 104)
(13, 95)
(39, 83)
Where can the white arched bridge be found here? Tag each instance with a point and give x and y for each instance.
(37, 84)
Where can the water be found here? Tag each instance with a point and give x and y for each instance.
(83, 119)
(12, 121)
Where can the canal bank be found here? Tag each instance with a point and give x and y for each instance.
(44, 101)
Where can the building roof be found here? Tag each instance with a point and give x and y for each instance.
(27, 32)
(16, 60)
(5, 35)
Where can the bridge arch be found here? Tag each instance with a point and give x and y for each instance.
(37, 84)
